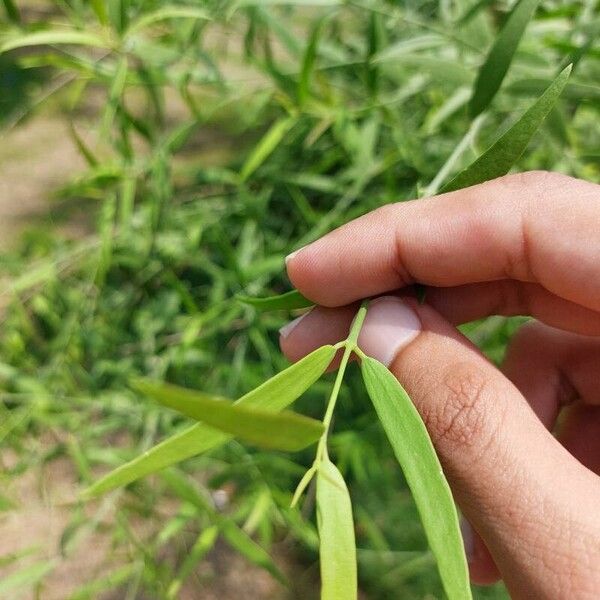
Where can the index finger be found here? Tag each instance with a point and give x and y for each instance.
(535, 227)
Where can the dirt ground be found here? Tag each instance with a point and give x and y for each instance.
(36, 158)
(44, 510)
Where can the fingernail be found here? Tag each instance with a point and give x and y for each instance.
(289, 327)
(389, 326)
(468, 539)
(294, 253)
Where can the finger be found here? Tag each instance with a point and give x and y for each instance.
(321, 326)
(465, 303)
(579, 433)
(553, 368)
(546, 366)
(556, 369)
(458, 305)
(317, 327)
(502, 463)
(533, 227)
(482, 568)
(536, 349)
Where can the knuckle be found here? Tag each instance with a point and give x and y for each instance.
(458, 416)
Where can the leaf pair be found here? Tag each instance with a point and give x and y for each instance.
(417, 457)
(272, 396)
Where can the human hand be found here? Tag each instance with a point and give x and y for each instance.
(526, 244)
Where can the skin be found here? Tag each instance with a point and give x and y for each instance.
(520, 446)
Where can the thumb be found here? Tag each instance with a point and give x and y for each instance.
(533, 504)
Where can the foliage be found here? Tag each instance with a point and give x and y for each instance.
(223, 135)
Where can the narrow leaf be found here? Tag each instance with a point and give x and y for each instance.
(248, 548)
(502, 155)
(308, 63)
(490, 76)
(287, 430)
(168, 12)
(304, 483)
(472, 11)
(416, 455)
(266, 146)
(204, 543)
(83, 148)
(51, 37)
(99, 8)
(28, 577)
(12, 12)
(273, 395)
(288, 301)
(336, 534)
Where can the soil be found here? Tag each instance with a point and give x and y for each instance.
(36, 159)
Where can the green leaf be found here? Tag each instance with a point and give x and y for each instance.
(262, 3)
(99, 7)
(288, 301)
(502, 155)
(308, 63)
(490, 76)
(472, 11)
(336, 534)
(12, 12)
(247, 547)
(51, 37)
(118, 11)
(204, 544)
(266, 146)
(239, 539)
(286, 431)
(416, 455)
(579, 92)
(273, 395)
(168, 12)
(27, 577)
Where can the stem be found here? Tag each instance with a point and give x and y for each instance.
(349, 347)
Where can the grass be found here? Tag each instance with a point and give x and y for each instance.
(325, 111)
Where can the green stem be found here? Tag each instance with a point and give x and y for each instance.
(349, 347)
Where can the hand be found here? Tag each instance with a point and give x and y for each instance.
(525, 244)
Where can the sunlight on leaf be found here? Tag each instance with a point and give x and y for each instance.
(336, 534)
(501, 156)
(168, 12)
(287, 430)
(418, 459)
(274, 395)
(52, 37)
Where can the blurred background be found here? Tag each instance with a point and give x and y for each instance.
(158, 158)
